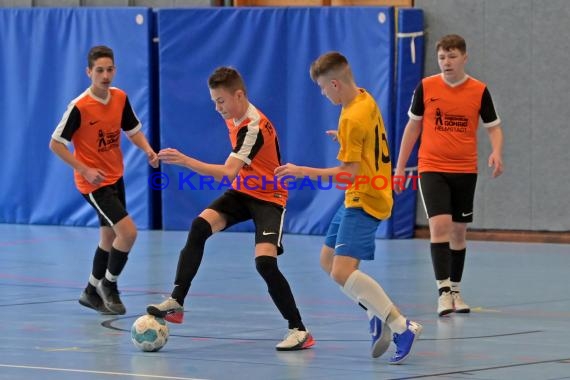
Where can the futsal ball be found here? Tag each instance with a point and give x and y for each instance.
(149, 333)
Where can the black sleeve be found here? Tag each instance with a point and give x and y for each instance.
(129, 120)
(71, 124)
(417, 107)
(488, 113)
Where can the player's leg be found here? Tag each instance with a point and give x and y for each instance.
(463, 192)
(436, 196)
(216, 217)
(458, 251)
(368, 292)
(297, 337)
(207, 223)
(110, 204)
(326, 258)
(380, 333)
(89, 297)
(355, 242)
(268, 219)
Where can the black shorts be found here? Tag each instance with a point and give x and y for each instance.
(109, 202)
(267, 217)
(448, 193)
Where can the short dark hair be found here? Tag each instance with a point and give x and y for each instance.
(450, 42)
(326, 63)
(97, 52)
(228, 78)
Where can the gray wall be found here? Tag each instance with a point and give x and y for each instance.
(521, 49)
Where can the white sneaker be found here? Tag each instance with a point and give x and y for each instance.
(296, 340)
(168, 309)
(445, 304)
(458, 304)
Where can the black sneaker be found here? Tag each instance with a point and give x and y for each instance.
(93, 301)
(110, 297)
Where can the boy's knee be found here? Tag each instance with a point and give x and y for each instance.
(132, 235)
(200, 229)
(266, 265)
(339, 275)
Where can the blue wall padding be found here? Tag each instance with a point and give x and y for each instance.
(273, 49)
(44, 54)
(409, 72)
(43, 59)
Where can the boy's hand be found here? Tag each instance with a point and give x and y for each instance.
(289, 170)
(172, 156)
(333, 134)
(153, 159)
(496, 163)
(93, 176)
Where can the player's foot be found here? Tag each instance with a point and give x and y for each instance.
(93, 301)
(296, 340)
(381, 337)
(110, 296)
(458, 304)
(444, 304)
(168, 309)
(405, 341)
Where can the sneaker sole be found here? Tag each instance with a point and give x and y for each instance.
(382, 344)
(416, 336)
(115, 311)
(445, 312)
(103, 310)
(463, 311)
(170, 317)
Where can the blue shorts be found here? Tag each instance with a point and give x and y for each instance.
(352, 232)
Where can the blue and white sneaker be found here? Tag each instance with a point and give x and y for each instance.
(405, 341)
(381, 337)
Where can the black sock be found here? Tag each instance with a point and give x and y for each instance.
(117, 261)
(457, 264)
(279, 290)
(441, 261)
(190, 258)
(100, 260)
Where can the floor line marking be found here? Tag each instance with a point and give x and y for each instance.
(98, 372)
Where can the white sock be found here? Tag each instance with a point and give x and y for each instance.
(368, 312)
(456, 287)
(397, 324)
(110, 277)
(368, 292)
(443, 283)
(93, 281)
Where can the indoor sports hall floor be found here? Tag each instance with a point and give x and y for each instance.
(519, 328)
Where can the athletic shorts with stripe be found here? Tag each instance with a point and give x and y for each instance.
(267, 217)
(352, 233)
(448, 193)
(109, 202)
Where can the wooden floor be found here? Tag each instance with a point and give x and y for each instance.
(550, 237)
(519, 327)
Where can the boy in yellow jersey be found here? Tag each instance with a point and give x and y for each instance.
(445, 112)
(351, 235)
(93, 123)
